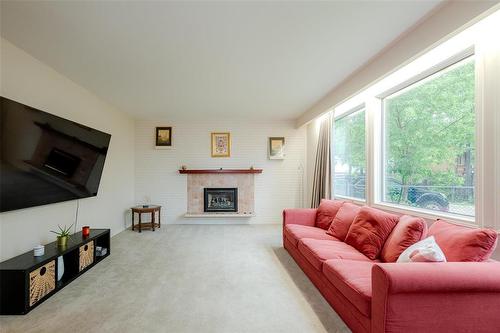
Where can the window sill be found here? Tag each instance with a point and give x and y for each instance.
(425, 214)
(350, 199)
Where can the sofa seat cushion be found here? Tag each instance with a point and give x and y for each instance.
(317, 251)
(295, 232)
(354, 280)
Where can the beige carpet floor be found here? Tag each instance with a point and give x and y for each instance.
(188, 278)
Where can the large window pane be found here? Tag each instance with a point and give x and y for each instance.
(349, 160)
(429, 133)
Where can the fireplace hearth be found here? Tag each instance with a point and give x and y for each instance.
(220, 199)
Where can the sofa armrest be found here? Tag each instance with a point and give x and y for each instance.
(302, 216)
(436, 297)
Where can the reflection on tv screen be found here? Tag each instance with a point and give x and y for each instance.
(45, 158)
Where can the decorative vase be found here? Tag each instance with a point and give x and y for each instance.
(62, 241)
(60, 268)
(86, 231)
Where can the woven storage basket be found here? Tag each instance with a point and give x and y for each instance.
(42, 281)
(86, 255)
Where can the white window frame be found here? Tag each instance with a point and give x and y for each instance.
(337, 116)
(488, 123)
(379, 153)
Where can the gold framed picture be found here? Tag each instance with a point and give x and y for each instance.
(276, 148)
(164, 136)
(221, 144)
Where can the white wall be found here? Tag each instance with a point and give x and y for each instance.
(26, 80)
(279, 186)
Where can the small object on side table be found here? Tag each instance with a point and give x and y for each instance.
(85, 231)
(150, 209)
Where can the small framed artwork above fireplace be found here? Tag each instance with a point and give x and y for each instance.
(277, 148)
(163, 136)
(221, 144)
(220, 200)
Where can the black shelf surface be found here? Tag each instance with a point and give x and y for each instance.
(99, 258)
(67, 279)
(27, 260)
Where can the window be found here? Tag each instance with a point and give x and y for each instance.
(429, 142)
(349, 160)
(432, 134)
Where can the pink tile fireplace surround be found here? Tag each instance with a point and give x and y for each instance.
(197, 182)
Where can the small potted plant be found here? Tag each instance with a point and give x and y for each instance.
(62, 235)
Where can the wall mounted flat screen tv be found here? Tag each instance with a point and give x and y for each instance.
(45, 158)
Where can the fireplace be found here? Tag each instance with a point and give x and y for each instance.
(220, 199)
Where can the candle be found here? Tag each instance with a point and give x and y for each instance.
(86, 231)
(39, 250)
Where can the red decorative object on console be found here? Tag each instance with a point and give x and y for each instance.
(85, 231)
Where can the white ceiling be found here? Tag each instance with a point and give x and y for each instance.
(175, 60)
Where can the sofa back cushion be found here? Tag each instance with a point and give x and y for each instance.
(343, 220)
(463, 244)
(407, 232)
(326, 212)
(370, 230)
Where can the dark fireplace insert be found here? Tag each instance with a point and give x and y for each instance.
(220, 199)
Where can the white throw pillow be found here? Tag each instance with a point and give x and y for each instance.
(426, 250)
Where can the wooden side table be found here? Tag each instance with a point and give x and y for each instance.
(144, 210)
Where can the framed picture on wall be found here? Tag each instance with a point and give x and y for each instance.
(163, 137)
(276, 148)
(221, 144)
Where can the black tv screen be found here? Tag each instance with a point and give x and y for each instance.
(45, 158)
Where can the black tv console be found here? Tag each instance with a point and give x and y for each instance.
(26, 281)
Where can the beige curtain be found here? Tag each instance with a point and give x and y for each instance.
(321, 186)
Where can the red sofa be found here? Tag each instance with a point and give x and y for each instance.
(371, 296)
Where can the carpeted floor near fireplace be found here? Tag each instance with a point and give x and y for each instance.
(188, 278)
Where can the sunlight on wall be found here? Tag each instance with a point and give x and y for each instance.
(317, 122)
